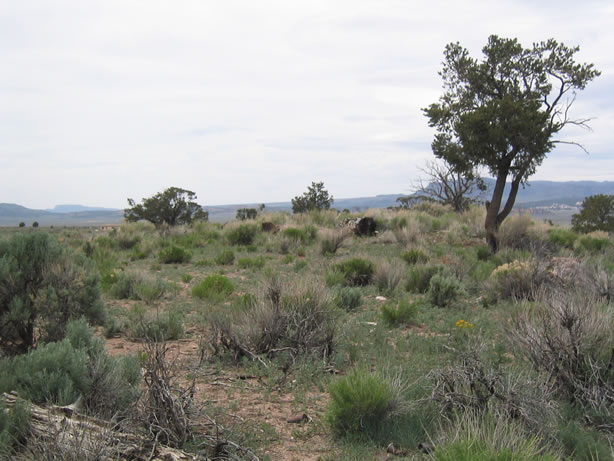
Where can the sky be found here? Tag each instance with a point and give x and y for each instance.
(245, 101)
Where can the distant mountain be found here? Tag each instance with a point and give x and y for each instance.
(12, 214)
(545, 199)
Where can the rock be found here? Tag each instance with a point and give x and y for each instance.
(381, 299)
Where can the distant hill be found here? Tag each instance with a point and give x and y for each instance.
(544, 199)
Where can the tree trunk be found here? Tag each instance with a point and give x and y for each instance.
(494, 218)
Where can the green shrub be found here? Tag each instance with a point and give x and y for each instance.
(593, 244)
(174, 254)
(564, 238)
(414, 256)
(166, 326)
(419, 278)
(225, 258)
(483, 253)
(215, 287)
(300, 265)
(14, 428)
(359, 403)
(125, 242)
(242, 235)
(348, 298)
(583, 444)
(356, 271)
(251, 263)
(186, 278)
(399, 313)
(78, 366)
(42, 287)
(137, 286)
(443, 290)
(334, 277)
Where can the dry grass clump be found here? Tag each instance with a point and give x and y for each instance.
(332, 239)
(294, 318)
(408, 234)
(387, 276)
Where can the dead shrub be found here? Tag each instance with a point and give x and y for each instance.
(296, 318)
(332, 239)
(165, 407)
(569, 336)
(473, 387)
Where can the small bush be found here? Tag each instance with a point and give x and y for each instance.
(14, 428)
(419, 278)
(583, 444)
(167, 326)
(215, 287)
(414, 256)
(186, 278)
(356, 271)
(174, 254)
(251, 263)
(515, 280)
(300, 265)
(304, 235)
(401, 313)
(563, 238)
(443, 290)
(242, 235)
(483, 253)
(125, 242)
(348, 298)
(593, 244)
(515, 232)
(360, 402)
(225, 258)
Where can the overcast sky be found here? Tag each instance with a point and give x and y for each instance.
(252, 100)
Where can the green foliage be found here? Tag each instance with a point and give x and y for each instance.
(14, 428)
(597, 213)
(242, 235)
(186, 278)
(225, 257)
(563, 238)
(244, 214)
(478, 450)
(356, 271)
(165, 326)
(35, 224)
(43, 286)
(583, 444)
(483, 253)
(174, 254)
(593, 244)
(22, 224)
(172, 207)
(443, 290)
(78, 366)
(251, 263)
(306, 235)
(419, 278)
(359, 403)
(400, 313)
(414, 256)
(215, 287)
(348, 298)
(316, 198)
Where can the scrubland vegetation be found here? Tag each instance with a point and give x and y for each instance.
(229, 342)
